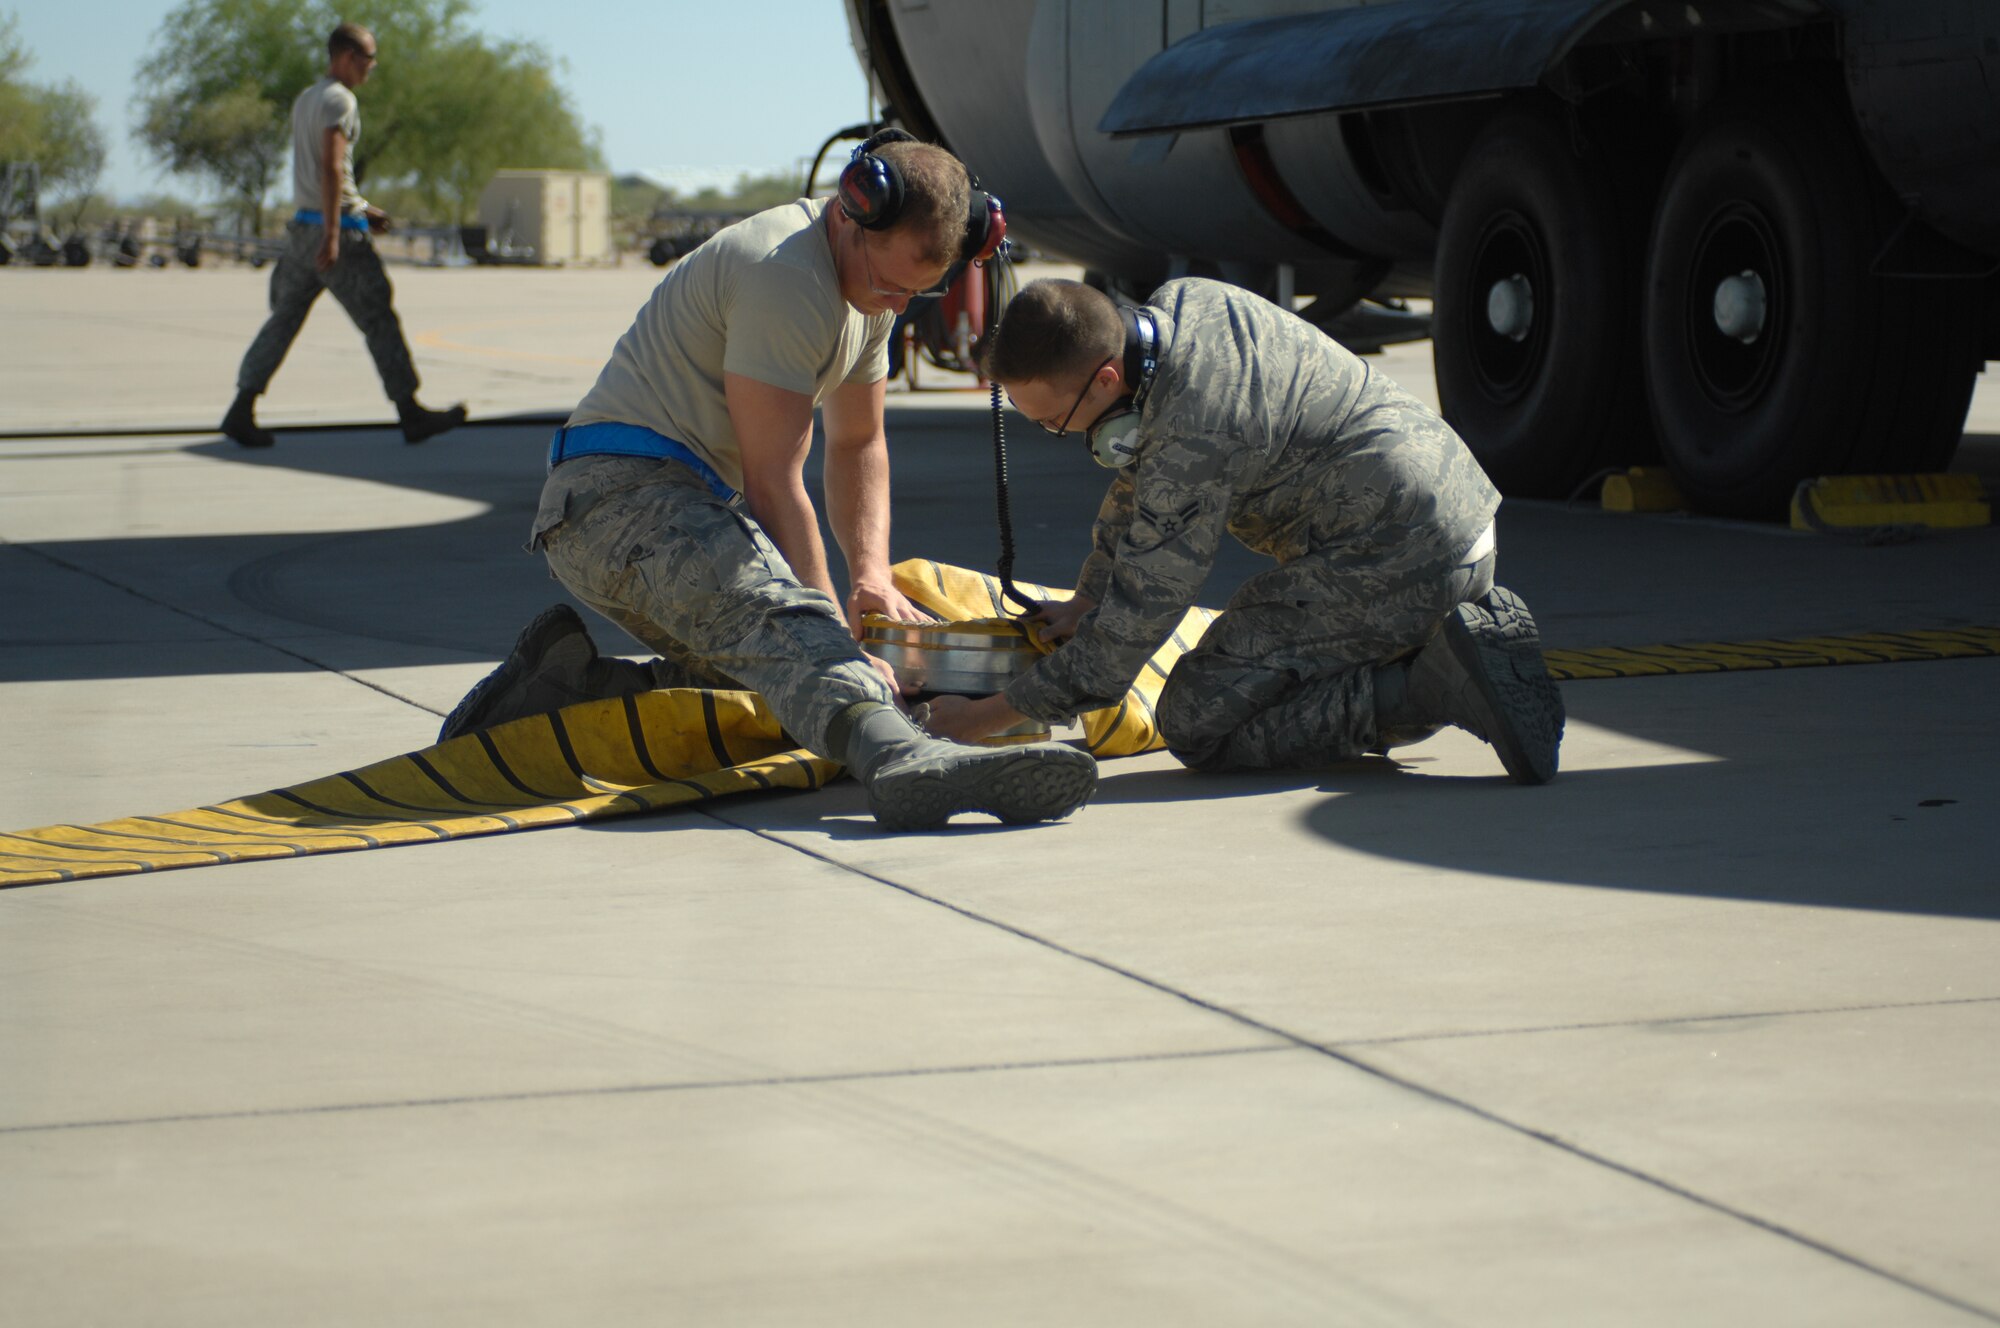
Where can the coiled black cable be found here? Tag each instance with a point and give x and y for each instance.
(1009, 591)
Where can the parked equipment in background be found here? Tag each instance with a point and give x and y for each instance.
(21, 237)
(547, 217)
(130, 242)
(678, 232)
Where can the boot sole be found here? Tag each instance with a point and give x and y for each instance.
(1525, 715)
(250, 437)
(1018, 785)
(469, 715)
(422, 432)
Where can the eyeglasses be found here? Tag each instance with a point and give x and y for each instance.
(897, 292)
(1062, 430)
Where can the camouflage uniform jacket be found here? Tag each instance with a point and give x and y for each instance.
(1259, 424)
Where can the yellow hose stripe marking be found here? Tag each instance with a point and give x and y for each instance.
(1096, 745)
(659, 749)
(608, 758)
(712, 724)
(1790, 653)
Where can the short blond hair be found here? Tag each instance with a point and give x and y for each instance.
(346, 37)
(937, 198)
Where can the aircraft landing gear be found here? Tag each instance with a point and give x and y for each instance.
(1772, 353)
(1538, 294)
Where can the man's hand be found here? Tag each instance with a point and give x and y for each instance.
(962, 719)
(1058, 622)
(883, 599)
(329, 249)
(378, 220)
(896, 685)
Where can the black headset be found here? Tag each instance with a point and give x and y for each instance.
(871, 196)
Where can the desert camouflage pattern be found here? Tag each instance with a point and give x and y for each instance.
(647, 544)
(1284, 678)
(362, 287)
(1260, 426)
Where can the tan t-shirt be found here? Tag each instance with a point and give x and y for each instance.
(761, 299)
(327, 104)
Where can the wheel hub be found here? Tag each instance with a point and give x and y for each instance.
(1510, 272)
(1510, 307)
(1741, 305)
(1736, 307)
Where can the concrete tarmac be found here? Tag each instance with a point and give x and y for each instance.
(1702, 1033)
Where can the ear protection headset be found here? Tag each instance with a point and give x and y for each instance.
(1114, 438)
(871, 196)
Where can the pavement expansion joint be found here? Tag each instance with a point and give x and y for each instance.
(1339, 1054)
(642, 1089)
(206, 621)
(1659, 1022)
(1661, 1183)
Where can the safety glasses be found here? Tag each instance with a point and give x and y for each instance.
(897, 292)
(1062, 430)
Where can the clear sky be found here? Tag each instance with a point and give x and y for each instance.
(690, 91)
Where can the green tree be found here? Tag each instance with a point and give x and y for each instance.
(225, 73)
(54, 126)
(444, 109)
(231, 138)
(471, 108)
(15, 101)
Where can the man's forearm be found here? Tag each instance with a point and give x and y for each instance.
(329, 181)
(857, 507)
(787, 516)
(329, 207)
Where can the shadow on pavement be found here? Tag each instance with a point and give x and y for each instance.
(1116, 787)
(1770, 816)
(1797, 859)
(1824, 826)
(461, 589)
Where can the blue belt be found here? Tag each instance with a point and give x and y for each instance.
(613, 439)
(349, 221)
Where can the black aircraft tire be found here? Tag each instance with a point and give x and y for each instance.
(1547, 402)
(1837, 371)
(1929, 368)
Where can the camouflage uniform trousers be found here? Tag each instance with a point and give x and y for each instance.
(1284, 678)
(362, 287)
(647, 544)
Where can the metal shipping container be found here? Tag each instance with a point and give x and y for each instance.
(551, 217)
